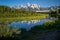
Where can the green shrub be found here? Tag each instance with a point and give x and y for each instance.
(6, 31)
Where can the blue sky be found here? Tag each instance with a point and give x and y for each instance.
(44, 3)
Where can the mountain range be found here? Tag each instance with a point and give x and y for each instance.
(35, 7)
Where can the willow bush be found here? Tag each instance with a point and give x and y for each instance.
(6, 31)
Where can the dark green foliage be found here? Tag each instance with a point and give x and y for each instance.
(59, 9)
(53, 13)
(37, 28)
(4, 9)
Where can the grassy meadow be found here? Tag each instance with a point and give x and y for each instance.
(38, 17)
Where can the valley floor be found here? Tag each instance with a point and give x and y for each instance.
(23, 18)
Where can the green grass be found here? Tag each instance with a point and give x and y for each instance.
(38, 17)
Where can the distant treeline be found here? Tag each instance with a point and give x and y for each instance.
(6, 11)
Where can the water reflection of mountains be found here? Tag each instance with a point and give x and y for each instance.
(28, 24)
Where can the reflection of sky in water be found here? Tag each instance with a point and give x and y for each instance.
(28, 24)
